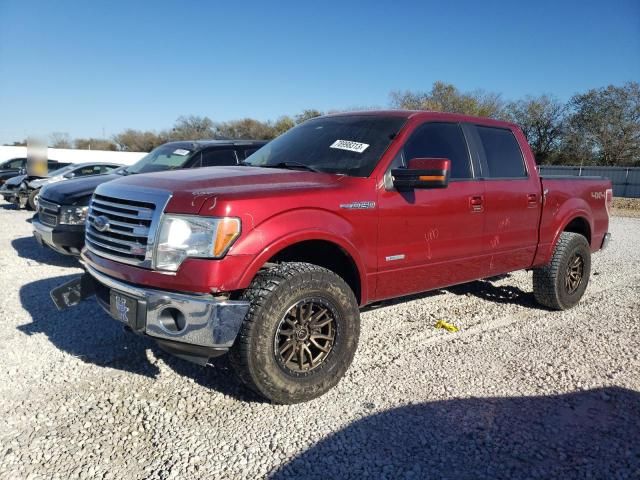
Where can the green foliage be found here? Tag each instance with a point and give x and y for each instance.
(444, 97)
(94, 144)
(306, 115)
(542, 121)
(603, 127)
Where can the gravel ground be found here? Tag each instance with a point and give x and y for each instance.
(518, 392)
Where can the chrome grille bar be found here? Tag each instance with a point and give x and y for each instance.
(122, 223)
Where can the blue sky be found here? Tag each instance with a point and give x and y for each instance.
(88, 67)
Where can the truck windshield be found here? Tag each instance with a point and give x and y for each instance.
(165, 157)
(350, 144)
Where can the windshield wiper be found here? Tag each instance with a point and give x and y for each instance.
(293, 165)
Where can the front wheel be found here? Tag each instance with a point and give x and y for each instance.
(300, 334)
(561, 284)
(32, 202)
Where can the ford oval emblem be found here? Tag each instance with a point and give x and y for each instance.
(101, 223)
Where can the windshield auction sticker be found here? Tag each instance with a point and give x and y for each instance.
(349, 145)
(181, 151)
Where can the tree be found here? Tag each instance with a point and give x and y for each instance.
(192, 127)
(23, 143)
(60, 140)
(247, 128)
(604, 126)
(444, 97)
(306, 115)
(94, 144)
(138, 141)
(541, 120)
(283, 124)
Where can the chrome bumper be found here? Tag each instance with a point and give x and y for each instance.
(198, 320)
(605, 241)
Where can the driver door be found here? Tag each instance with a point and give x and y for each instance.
(431, 238)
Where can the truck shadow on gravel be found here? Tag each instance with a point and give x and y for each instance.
(586, 434)
(27, 247)
(89, 334)
(483, 289)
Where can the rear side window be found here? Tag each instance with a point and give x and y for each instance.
(218, 158)
(440, 140)
(503, 158)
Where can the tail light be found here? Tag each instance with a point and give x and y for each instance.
(609, 200)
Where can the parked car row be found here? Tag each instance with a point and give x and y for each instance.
(63, 208)
(269, 255)
(24, 190)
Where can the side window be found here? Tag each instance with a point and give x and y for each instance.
(81, 172)
(17, 163)
(108, 168)
(502, 154)
(440, 140)
(218, 158)
(249, 151)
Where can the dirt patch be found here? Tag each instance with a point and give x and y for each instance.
(626, 207)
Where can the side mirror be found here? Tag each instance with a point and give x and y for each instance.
(69, 175)
(422, 173)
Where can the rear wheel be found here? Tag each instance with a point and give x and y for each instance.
(561, 284)
(300, 334)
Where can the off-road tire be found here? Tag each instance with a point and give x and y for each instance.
(32, 202)
(549, 286)
(274, 291)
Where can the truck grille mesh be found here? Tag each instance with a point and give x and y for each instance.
(119, 228)
(48, 212)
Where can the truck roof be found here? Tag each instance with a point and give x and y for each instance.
(428, 114)
(211, 142)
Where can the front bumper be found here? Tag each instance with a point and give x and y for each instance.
(195, 327)
(65, 239)
(605, 241)
(9, 195)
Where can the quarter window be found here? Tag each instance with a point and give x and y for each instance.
(503, 158)
(440, 140)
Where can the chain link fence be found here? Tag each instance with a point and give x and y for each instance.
(625, 180)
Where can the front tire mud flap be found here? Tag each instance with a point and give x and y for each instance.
(71, 293)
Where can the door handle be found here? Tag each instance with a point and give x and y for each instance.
(532, 200)
(476, 203)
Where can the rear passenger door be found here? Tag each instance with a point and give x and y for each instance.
(512, 199)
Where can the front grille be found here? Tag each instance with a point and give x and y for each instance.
(48, 212)
(127, 231)
(121, 226)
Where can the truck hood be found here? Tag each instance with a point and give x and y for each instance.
(76, 191)
(192, 187)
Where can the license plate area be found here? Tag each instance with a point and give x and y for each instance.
(123, 308)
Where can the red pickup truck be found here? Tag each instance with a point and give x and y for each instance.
(270, 261)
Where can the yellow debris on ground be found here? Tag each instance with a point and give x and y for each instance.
(449, 327)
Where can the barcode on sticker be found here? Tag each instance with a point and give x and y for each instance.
(181, 151)
(349, 145)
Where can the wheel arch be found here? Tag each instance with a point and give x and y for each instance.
(319, 248)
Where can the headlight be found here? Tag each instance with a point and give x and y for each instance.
(73, 215)
(183, 236)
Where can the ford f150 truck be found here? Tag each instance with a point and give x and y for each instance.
(271, 261)
(62, 208)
